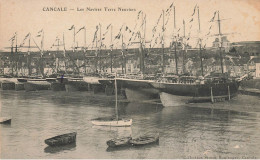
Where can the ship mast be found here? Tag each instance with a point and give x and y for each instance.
(64, 54)
(184, 49)
(175, 44)
(220, 46)
(122, 50)
(74, 38)
(16, 51)
(100, 50)
(12, 56)
(201, 64)
(29, 56)
(143, 44)
(111, 54)
(163, 44)
(41, 62)
(85, 39)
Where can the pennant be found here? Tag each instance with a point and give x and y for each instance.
(194, 10)
(171, 5)
(80, 29)
(25, 39)
(154, 29)
(159, 18)
(105, 33)
(13, 38)
(118, 36)
(126, 28)
(95, 36)
(108, 25)
(71, 27)
(212, 19)
(138, 15)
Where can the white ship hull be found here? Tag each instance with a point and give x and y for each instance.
(169, 100)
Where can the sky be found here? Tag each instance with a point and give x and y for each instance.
(242, 20)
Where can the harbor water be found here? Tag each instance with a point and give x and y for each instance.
(228, 129)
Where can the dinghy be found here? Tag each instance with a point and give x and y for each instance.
(62, 139)
(112, 122)
(119, 142)
(5, 120)
(144, 140)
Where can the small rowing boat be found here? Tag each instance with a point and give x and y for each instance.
(5, 120)
(145, 139)
(119, 142)
(62, 139)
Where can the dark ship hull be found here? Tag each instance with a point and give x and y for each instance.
(176, 93)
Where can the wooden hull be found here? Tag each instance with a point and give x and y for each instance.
(202, 91)
(112, 123)
(62, 139)
(19, 86)
(36, 85)
(58, 86)
(119, 142)
(145, 140)
(5, 120)
(72, 86)
(169, 100)
(6, 85)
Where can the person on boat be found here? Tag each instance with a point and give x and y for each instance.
(61, 78)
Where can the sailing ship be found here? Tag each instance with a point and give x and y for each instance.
(138, 88)
(203, 89)
(113, 122)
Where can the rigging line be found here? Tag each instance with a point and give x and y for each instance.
(36, 44)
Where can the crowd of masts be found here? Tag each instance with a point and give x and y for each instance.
(140, 33)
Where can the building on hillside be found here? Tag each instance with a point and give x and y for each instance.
(254, 67)
(225, 43)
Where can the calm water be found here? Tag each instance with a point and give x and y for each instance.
(224, 130)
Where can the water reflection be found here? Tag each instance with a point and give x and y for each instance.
(116, 131)
(139, 108)
(56, 149)
(192, 130)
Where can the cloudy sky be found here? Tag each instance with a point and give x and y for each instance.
(242, 19)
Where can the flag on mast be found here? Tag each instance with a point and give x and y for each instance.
(71, 27)
(108, 25)
(194, 10)
(39, 34)
(80, 29)
(212, 19)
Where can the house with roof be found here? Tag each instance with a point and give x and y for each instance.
(254, 67)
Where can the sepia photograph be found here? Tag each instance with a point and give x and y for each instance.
(129, 79)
